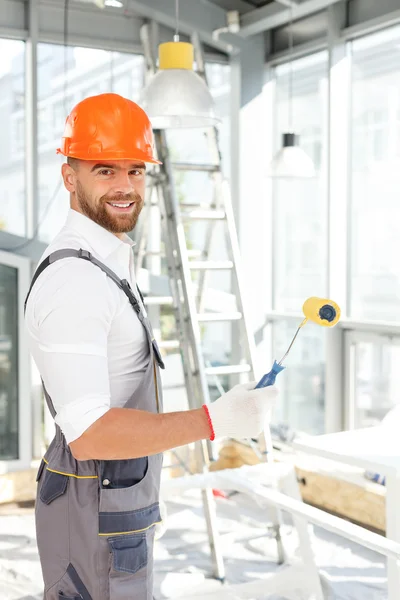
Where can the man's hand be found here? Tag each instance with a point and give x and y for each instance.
(242, 412)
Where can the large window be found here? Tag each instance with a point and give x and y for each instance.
(300, 205)
(8, 363)
(375, 206)
(12, 146)
(374, 387)
(302, 385)
(63, 81)
(15, 397)
(299, 248)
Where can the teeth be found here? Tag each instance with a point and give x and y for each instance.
(121, 205)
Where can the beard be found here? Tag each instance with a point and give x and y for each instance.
(99, 213)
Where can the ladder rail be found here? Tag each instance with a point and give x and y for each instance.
(189, 312)
(179, 290)
(176, 230)
(212, 139)
(181, 274)
(144, 230)
(233, 247)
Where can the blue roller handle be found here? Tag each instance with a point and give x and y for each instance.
(269, 378)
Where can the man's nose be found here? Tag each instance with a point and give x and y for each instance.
(123, 184)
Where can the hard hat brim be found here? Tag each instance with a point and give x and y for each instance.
(102, 156)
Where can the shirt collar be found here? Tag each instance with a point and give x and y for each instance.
(102, 241)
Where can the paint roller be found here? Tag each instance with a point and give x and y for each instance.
(318, 310)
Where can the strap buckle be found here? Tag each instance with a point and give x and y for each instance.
(131, 296)
(84, 254)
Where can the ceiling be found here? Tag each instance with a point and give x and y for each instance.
(242, 6)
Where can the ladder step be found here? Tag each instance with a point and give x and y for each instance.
(181, 166)
(204, 215)
(168, 344)
(157, 300)
(212, 265)
(194, 253)
(228, 370)
(215, 317)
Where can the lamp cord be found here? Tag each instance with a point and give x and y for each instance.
(176, 36)
(291, 70)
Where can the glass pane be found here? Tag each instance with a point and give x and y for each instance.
(377, 381)
(89, 72)
(8, 363)
(300, 204)
(301, 402)
(12, 147)
(375, 209)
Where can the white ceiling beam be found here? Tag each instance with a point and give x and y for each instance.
(201, 16)
(273, 15)
(288, 3)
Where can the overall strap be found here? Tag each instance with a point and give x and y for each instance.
(123, 284)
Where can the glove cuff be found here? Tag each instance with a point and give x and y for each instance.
(212, 436)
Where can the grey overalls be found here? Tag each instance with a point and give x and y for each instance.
(95, 519)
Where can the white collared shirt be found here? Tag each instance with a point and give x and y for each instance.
(85, 338)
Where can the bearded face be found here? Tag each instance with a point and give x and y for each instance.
(116, 213)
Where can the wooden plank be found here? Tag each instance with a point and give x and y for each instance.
(18, 486)
(331, 486)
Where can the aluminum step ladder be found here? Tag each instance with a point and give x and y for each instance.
(189, 299)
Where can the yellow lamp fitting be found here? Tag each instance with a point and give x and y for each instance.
(176, 55)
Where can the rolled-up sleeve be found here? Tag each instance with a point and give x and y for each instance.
(68, 321)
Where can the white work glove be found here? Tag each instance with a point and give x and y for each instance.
(243, 412)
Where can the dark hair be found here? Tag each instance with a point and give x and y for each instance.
(73, 162)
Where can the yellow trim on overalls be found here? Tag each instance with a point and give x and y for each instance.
(70, 474)
(134, 531)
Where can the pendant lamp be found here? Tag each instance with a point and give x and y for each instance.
(176, 97)
(291, 160)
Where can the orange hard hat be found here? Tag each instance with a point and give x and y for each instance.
(108, 127)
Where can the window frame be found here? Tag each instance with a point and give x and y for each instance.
(23, 267)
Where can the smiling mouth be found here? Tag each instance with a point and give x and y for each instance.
(121, 206)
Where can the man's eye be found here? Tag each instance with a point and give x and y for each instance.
(136, 172)
(105, 172)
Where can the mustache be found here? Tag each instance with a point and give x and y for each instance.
(132, 197)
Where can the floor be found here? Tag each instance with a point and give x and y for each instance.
(183, 567)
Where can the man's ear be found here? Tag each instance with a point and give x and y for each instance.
(69, 177)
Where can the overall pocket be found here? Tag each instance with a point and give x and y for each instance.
(52, 528)
(131, 566)
(130, 522)
(119, 474)
(54, 485)
(129, 553)
(139, 495)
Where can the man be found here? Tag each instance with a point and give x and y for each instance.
(98, 483)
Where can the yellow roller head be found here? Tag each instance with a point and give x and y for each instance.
(321, 311)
